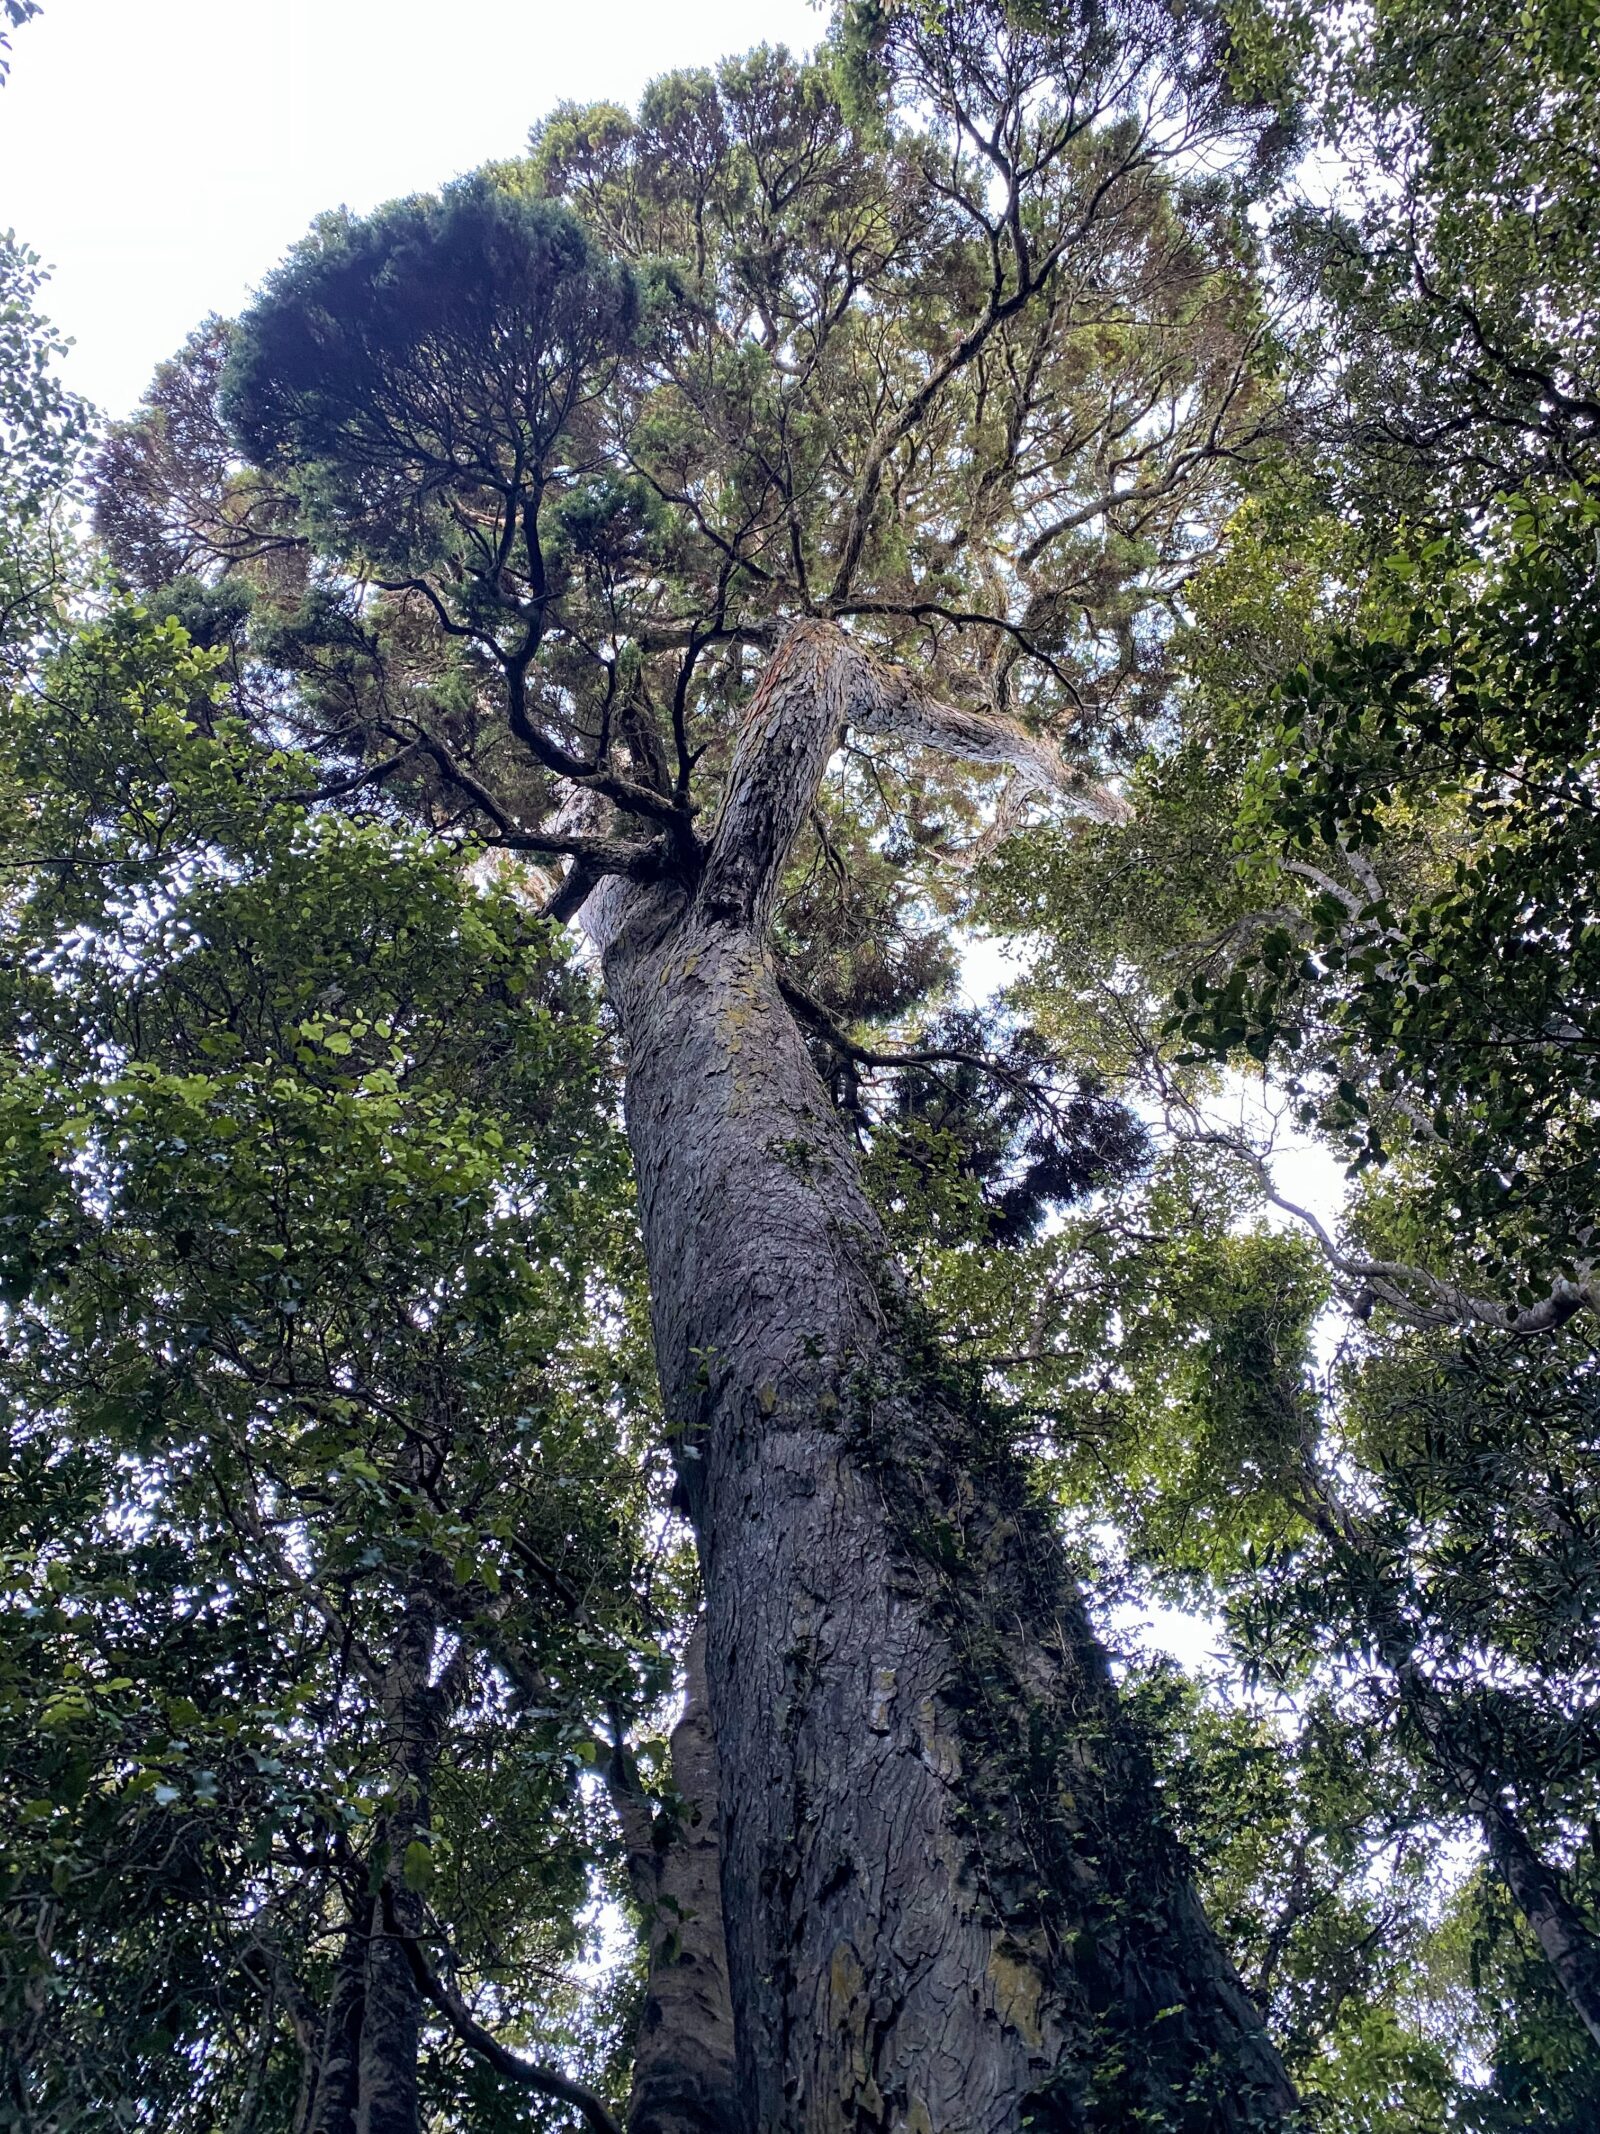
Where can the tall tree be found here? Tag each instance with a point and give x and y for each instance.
(934, 418)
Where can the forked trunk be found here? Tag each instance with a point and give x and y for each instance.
(951, 1903)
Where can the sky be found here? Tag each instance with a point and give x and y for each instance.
(161, 155)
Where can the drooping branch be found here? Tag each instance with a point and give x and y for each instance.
(1414, 1293)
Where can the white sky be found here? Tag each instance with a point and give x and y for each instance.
(162, 154)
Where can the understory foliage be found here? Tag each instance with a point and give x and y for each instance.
(321, 1344)
(344, 1596)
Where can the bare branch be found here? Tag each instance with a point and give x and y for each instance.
(1413, 1292)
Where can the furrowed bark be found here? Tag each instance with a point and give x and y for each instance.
(683, 2065)
(951, 1903)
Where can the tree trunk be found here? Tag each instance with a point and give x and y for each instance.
(366, 2076)
(333, 2098)
(391, 2024)
(951, 1903)
(1558, 1926)
(683, 2063)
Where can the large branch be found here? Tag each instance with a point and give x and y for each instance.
(1033, 276)
(899, 708)
(819, 685)
(925, 1059)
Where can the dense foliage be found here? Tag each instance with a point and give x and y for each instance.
(324, 1474)
(336, 1554)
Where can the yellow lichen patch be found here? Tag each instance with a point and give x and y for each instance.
(941, 1752)
(1018, 1990)
(845, 1975)
(847, 2029)
(916, 2120)
(880, 1700)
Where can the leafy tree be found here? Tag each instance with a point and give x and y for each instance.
(1359, 864)
(1430, 778)
(43, 429)
(1457, 268)
(323, 1558)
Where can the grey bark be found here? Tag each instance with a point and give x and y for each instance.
(683, 2064)
(1560, 1929)
(391, 2024)
(365, 2079)
(332, 2104)
(951, 1903)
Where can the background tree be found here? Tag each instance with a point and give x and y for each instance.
(43, 430)
(325, 1576)
(1358, 868)
(17, 12)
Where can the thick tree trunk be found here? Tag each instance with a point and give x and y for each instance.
(951, 1903)
(683, 2063)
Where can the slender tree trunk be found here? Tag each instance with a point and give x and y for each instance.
(1559, 1928)
(683, 2063)
(366, 2075)
(951, 1903)
(333, 2098)
(391, 2023)
(1568, 1942)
